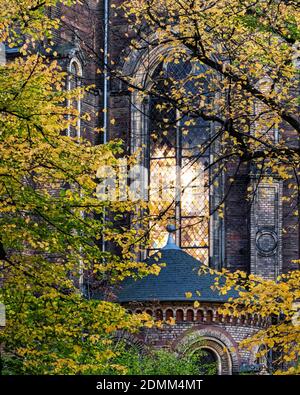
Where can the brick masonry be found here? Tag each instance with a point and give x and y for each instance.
(200, 328)
(266, 228)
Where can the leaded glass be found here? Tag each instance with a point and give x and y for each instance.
(194, 137)
(194, 202)
(162, 130)
(178, 69)
(194, 232)
(162, 145)
(163, 183)
(193, 172)
(179, 159)
(158, 233)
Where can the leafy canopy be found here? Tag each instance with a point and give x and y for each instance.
(51, 219)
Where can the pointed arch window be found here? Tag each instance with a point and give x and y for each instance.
(74, 81)
(178, 158)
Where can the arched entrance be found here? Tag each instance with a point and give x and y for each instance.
(208, 361)
(215, 348)
(215, 353)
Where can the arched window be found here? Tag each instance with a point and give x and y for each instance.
(179, 315)
(74, 81)
(200, 316)
(178, 157)
(169, 314)
(209, 316)
(159, 315)
(150, 312)
(190, 315)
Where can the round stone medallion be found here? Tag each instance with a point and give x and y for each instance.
(266, 242)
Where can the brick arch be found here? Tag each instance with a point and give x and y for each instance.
(140, 63)
(217, 340)
(131, 340)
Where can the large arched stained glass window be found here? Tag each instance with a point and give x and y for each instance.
(178, 163)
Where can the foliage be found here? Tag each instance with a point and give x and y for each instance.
(159, 362)
(52, 334)
(27, 20)
(50, 214)
(274, 302)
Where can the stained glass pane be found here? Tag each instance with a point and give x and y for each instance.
(163, 144)
(74, 82)
(192, 76)
(193, 172)
(178, 69)
(158, 235)
(74, 76)
(162, 130)
(163, 183)
(194, 232)
(194, 201)
(195, 189)
(195, 137)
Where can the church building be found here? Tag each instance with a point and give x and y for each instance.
(260, 237)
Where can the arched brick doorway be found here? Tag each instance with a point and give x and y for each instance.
(208, 361)
(217, 342)
(218, 349)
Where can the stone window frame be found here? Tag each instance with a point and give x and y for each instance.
(79, 74)
(137, 66)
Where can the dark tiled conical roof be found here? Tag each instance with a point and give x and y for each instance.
(179, 276)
